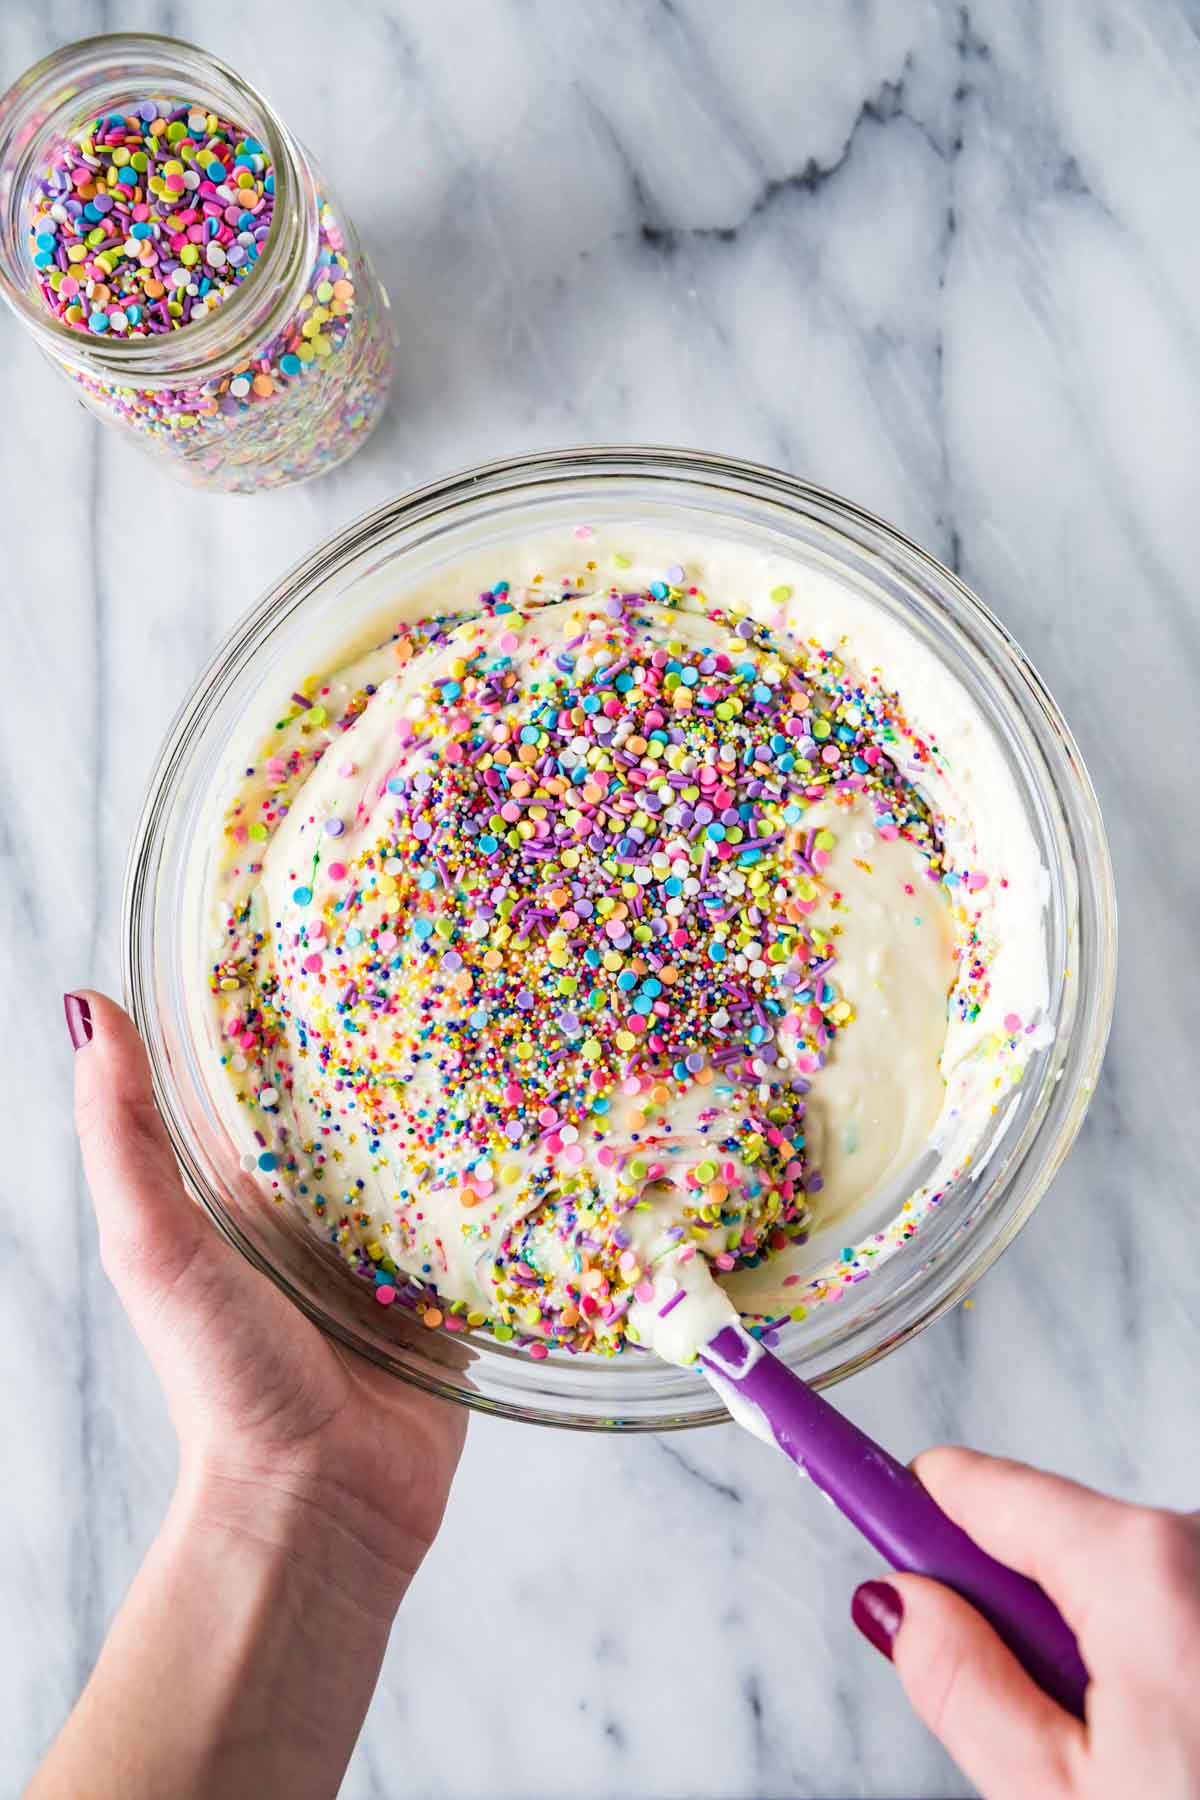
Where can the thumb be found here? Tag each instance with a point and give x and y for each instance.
(151, 1235)
(1006, 1735)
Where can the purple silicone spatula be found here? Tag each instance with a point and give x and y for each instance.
(891, 1508)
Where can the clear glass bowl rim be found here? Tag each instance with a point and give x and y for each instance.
(1045, 1140)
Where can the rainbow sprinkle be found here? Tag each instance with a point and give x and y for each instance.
(559, 959)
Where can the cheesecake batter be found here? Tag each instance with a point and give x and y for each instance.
(604, 933)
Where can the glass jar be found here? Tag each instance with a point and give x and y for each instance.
(281, 381)
(335, 599)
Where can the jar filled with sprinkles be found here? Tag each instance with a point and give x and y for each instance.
(175, 252)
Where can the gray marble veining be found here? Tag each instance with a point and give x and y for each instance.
(938, 257)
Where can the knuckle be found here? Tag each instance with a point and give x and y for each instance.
(940, 1681)
(128, 1128)
(1162, 1548)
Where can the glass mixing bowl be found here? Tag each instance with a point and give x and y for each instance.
(305, 622)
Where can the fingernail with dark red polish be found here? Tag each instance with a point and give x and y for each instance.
(877, 1610)
(79, 1019)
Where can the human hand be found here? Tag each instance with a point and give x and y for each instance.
(276, 1422)
(1126, 1579)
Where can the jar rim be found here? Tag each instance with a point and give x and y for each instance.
(205, 345)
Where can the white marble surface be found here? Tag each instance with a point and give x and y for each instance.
(940, 258)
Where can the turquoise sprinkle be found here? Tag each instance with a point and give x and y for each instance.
(268, 1160)
(302, 895)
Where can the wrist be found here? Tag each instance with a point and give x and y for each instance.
(330, 1544)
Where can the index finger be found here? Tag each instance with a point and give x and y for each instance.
(1045, 1526)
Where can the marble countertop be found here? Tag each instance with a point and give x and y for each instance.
(938, 257)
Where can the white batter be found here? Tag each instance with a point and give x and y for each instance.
(532, 1074)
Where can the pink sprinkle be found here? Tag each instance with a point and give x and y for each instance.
(539, 1352)
(346, 770)
(644, 1291)
(510, 642)
(976, 880)
(1012, 1022)
(725, 1261)
(606, 1156)
(387, 940)
(584, 531)
(385, 1295)
(573, 1155)
(547, 1116)
(337, 871)
(313, 963)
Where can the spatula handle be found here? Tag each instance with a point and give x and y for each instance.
(888, 1504)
